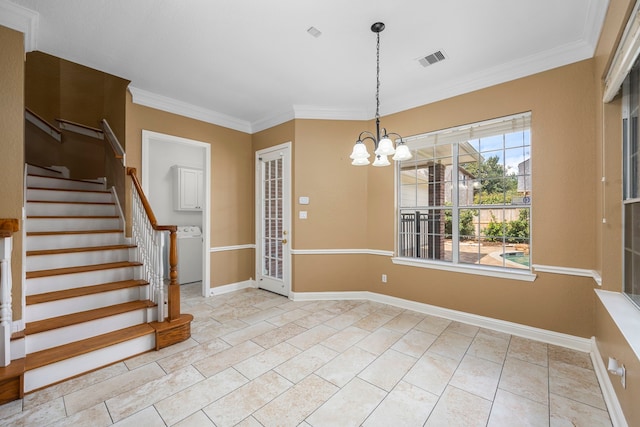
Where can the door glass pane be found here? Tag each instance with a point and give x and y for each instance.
(272, 213)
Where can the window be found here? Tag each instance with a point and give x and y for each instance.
(465, 196)
(631, 183)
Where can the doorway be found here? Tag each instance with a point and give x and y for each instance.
(273, 219)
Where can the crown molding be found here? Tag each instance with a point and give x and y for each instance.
(164, 103)
(20, 19)
(271, 121)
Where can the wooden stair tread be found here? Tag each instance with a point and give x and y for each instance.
(82, 291)
(70, 202)
(54, 233)
(76, 250)
(80, 269)
(68, 189)
(84, 316)
(66, 179)
(67, 351)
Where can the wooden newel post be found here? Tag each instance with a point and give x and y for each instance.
(174, 286)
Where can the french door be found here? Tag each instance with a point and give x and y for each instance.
(273, 223)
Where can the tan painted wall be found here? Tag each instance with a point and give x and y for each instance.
(11, 148)
(231, 183)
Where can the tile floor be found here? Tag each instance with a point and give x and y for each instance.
(258, 359)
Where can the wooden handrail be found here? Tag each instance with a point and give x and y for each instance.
(174, 287)
(8, 226)
(118, 151)
(42, 124)
(79, 125)
(80, 128)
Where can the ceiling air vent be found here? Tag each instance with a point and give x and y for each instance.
(432, 58)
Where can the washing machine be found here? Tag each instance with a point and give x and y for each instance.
(189, 254)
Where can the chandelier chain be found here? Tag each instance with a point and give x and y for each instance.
(378, 77)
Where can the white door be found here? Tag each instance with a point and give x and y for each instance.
(273, 207)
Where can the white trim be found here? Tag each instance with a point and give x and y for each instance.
(232, 248)
(123, 221)
(468, 269)
(82, 130)
(341, 252)
(232, 287)
(570, 271)
(625, 56)
(164, 103)
(272, 121)
(42, 125)
(625, 315)
(21, 19)
(543, 335)
(608, 392)
(330, 113)
(17, 325)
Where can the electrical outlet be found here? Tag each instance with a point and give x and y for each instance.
(384, 278)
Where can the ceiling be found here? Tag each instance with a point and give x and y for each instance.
(250, 64)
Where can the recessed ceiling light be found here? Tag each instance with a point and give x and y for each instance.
(314, 32)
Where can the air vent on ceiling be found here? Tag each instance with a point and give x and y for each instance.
(314, 32)
(432, 58)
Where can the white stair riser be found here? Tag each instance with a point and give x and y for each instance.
(69, 209)
(41, 285)
(47, 182)
(66, 335)
(68, 196)
(37, 170)
(35, 312)
(71, 224)
(39, 243)
(56, 372)
(76, 259)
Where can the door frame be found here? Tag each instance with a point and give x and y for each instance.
(147, 140)
(287, 207)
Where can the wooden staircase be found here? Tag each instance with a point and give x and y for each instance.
(86, 305)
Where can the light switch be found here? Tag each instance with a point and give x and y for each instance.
(303, 215)
(303, 200)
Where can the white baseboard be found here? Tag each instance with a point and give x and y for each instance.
(608, 392)
(543, 335)
(219, 290)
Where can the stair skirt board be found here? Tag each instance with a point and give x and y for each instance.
(44, 171)
(67, 241)
(68, 334)
(63, 260)
(50, 374)
(63, 183)
(54, 224)
(50, 195)
(37, 208)
(61, 282)
(36, 312)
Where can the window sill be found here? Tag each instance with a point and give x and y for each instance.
(625, 315)
(526, 276)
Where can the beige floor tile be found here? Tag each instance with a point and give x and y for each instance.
(404, 322)
(342, 340)
(378, 341)
(495, 334)
(451, 345)
(580, 387)
(525, 379)
(46, 413)
(192, 399)
(297, 403)
(262, 315)
(249, 422)
(147, 394)
(203, 332)
(257, 365)
(568, 356)
(90, 396)
(388, 369)
(278, 335)
(567, 412)
(391, 310)
(11, 408)
(432, 373)
(348, 407)
(147, 417)
(528, 350)
(302, 365)
(311, 337)
(192, 355)
(242, 402)
(458, 408)
(433, 325)
(242, 335)
(372, 321)
(407, 405)
(414, 343)
(154, 356)
(347, 365)
(314, 319)
(288, 316)
(226, 358)
(489, 347)
(512, 410)
(345, 319)
(96, 416)
(477, 376)
(199, 419)
(463, 329)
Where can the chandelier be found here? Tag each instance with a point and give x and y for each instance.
(383, 147)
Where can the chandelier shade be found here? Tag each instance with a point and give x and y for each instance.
(383, 145)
